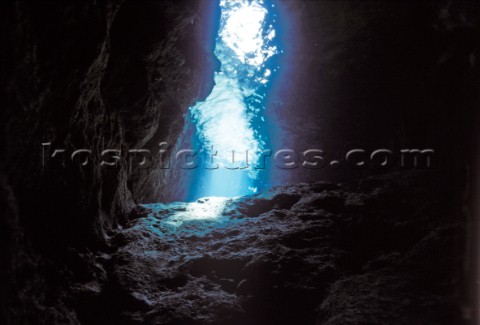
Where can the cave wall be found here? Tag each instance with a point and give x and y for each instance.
(95, 76)
(91, 75)
(374, 75)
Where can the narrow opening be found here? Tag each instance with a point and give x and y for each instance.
(231, 128)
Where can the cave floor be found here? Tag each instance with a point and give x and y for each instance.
(359, 253)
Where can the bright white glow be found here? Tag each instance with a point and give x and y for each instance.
(271, 34)
(243, 29)
(243, 32)
(224, 123)
(206, 208)
(209, 208)
(177, 214)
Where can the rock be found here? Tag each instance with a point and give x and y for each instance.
(311, 264)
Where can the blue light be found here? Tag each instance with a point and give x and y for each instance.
(232, 118)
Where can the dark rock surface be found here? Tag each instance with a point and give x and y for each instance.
(85, 75)
(371, 75)
(381, 251)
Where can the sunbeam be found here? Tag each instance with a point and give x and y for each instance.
(229, 122)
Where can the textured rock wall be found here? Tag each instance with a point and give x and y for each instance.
(369, 74)
(91, 75)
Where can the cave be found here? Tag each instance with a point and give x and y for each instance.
(239, 162)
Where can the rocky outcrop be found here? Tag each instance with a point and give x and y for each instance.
(380, 251)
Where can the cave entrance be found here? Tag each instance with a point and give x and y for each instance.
(231, 123)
